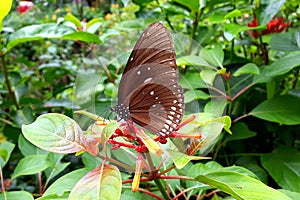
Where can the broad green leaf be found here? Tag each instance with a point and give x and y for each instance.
(93, 22)
(283, 109)
(175, 9)
(213, 56)
(289, 41)
(201, 168)
(248, 68)
(192, 60)
(270, 11)
(37, 32)
(4, 10)
(240, 131)
(240, 186)
(208, 76)
(55, 133)
(6, 149)
(292, 195)
(64, 196)
(56, 167)
(286, 171)
(130, 25)
(232, 30)
(16, 195)
(181, 159)
(191, 81)
(31, 165)
(279, 67)
(216, 106)
(208, 127)
(71, 18)
(193, 5)
(90, 161)
(94, 28)
(192, 95)
(82, 36)
(66, 182)
(28, 148)
(233, 14)
(104, 182)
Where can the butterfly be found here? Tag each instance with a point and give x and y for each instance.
(149, 93)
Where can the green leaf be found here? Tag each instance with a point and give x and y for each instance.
(104, 181)
(16, 195)
(192, 95)
(192, 60)
(233, 14)
(94, 21)
(283, 109)
(56, 167)
(64, 196)
(181, 159)
(31, 165)
(209, 127)
(208, 76)
(240, 186)
(6, 149)
(286, 171)
(66, 182)
(289, 41)
(71, 18)
(248, 68)
(292, 195)
(216, 107)
(191, 81)
(37, 32)
(55, 133)
(279, 67)
(193, 5)
(90, 161)
(270, 11)
(240, 131)
(28, 148)
(232, 30)
(82, 36)
(214, 56)
(130, 25)
(4, 10)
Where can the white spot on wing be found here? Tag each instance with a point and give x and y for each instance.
(147, 80)
(138, 72)
(170, 117)
(152, 92)
(173, 108)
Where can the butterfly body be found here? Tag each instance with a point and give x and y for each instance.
(149, 93)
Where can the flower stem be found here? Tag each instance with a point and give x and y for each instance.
(9, 88)
(161, 188)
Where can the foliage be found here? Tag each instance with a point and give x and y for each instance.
(237, 58)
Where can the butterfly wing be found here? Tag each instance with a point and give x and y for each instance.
(149, 85)
(155, 46)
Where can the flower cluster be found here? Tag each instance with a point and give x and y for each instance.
(25, 6)
(274, 26)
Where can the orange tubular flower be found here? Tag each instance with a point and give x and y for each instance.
(274, 26)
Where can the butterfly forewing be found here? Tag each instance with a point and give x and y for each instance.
(149, 93)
